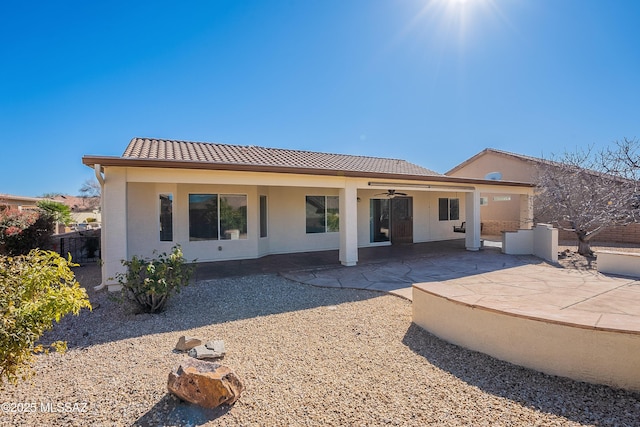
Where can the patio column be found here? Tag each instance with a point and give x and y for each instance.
(114, 224)
(472, 218)
(526, 211)
(349, 224)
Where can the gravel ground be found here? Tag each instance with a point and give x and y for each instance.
(571, 259)
(307, 356)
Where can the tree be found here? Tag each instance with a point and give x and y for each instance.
(21, 231)
(90, 188)
(50, 195)
(586, 192)
(58, 211)
(623, 160)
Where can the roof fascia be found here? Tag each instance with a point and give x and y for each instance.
(103, 161)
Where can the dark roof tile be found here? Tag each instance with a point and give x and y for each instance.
(160, 149)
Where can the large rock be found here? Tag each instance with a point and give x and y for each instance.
(203, 383)
(187, 343)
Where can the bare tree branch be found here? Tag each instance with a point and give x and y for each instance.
(586, 192)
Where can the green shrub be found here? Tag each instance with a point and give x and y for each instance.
(150, 282)
(35, 290)
(59, 212)
(22, 231)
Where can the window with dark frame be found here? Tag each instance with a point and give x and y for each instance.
(166, 217)
(217, 217)
(203, 217)
(448, 209)
(263, 216)
(322, 214)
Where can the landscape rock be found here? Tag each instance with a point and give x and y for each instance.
(217, 346)
(187, 343)
(203, 383)
(203, 352)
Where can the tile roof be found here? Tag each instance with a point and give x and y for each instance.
(224, 154)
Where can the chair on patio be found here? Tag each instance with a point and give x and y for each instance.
(461, 229)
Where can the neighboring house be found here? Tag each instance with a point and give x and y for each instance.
(85, 211)
(8, 201)
(502, 211)
(224, 202)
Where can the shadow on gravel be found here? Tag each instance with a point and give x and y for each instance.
(577, 401)
(171, 411)
(199, 304)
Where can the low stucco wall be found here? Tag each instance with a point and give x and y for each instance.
(541, 241)
(581, 353)
(623, 263)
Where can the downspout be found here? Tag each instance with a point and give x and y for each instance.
(98, 171)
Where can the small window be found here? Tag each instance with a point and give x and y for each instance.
(263, 216)
(448, 209)
(484, 201)
(501, 198)
(166, 217)
(322, 214)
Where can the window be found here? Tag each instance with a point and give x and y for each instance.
(263, 216)
(217, 217)
(448, 209)
(323, 215)
(166, 217)
(233, 216)
(203, 217)
(484, 201)
(501, 198)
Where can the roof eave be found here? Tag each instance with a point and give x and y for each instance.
(91, 161)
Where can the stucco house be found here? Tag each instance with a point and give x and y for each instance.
(225, 202)
(501, 211)
(8, 201)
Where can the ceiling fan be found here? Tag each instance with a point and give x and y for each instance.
(391, 194)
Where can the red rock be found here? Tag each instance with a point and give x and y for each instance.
(206, 384)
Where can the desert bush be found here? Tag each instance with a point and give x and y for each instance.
(35, 290)
(22, 231)
(150, 282)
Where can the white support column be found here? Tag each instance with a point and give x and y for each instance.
(472, 218)
(114, 225)
(349, 224)
(526, 211)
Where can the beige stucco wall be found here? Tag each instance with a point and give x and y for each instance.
(131, 213)
(583, 354)
(426, 225)
(512, 170)
(623, 263)
(286, 220)
(541, 241)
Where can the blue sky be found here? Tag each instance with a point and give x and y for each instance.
(432, 82)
